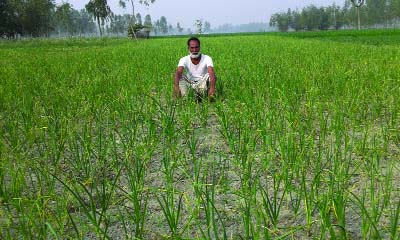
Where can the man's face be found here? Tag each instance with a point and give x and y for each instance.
(194, 49)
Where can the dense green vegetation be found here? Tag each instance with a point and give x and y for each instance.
(45, 18)
(302, 142)
(353, 14)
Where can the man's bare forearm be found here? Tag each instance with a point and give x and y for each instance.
(212, 81)
(177, 77)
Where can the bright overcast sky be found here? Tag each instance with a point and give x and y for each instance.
(217, 12)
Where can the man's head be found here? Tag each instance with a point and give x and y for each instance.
(194, 47)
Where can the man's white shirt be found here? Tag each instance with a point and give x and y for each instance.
(196, 72)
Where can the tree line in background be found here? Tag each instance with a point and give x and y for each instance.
(354, 14)
(43, 18)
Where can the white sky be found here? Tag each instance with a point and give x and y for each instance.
(216, 12)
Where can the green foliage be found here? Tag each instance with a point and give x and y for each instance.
(135, 24)
(281, 21)
(119, 23)
(41, 18)
(83, 23)
(36, 17)
(100, 10)
(64, 17)
(133, 30)
(163, 25)
(160, 26)
(10, 25)
(31, 17)
(372, 13)
(147, 20)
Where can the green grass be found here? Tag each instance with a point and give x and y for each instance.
(303, 141)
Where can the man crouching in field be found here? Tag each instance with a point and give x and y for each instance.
(200, 75)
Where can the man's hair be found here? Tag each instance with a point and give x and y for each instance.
(193, 39)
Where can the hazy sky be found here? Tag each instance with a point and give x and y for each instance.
(216, 12)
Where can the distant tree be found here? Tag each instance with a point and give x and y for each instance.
(84, 22)
(357, 4)
(199, 26)
(100, 10)
(324, 19)
(179, 28)
(10, 24)
(119, 24)
(156, 27)
(35, 17)
(122, 3)
(279, 20)
(340, 17)
(136, 25)
(138, 18)
(312, 17)
(5, 13)
(170, 28)
(395, 12)
(207, 27)
(64, 18)
(348, 15)
(163, 25)
(377, 11)
(297, 21)
(335, 16)
(147, 23)
(147, 20)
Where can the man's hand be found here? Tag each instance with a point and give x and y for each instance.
(211, 95)
(177, 94)
(211, 92)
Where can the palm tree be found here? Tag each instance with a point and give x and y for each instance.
(100, 10)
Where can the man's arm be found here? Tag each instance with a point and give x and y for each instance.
(177, 77)
(211, 73)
